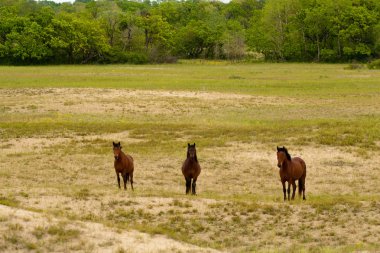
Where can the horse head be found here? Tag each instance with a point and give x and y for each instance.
(282, 154)
(116, 150)
(191, 152)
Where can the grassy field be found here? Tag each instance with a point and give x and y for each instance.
(58, 190)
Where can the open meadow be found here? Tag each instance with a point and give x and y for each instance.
(58, 189)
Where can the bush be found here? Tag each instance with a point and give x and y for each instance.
(252, 56)
(157, 55)
(328, 55)
(374, 64)
(355, 65)
(116, 56)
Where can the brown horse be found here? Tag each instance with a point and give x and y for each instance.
(191, 168)
(291, 169)
(123, 165)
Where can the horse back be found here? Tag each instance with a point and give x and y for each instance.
(299, 167)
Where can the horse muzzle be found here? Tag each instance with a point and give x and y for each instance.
(116, 157)
(279, 165)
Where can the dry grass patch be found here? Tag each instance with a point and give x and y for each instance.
(44, 233)
(57, 163)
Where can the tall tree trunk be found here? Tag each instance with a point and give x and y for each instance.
(319, 50)
(129, 38)
(339, 49)
(146, 39)
(304, 43)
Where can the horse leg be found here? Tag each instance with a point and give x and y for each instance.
(194, 184)
(294, 188)
(284, 189)
(300, 187)
(289, 190)
(303, 189)
(118, 179)
(131, 179)
(188, 183)
(125, 180)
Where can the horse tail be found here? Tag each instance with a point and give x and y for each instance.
(302, 180)
(126, 177)
(304, 169)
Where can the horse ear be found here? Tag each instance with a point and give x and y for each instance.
(278, 149)
(188, 144)
(194, 144)
(114, 144)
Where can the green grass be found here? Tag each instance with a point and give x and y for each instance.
(316, 109)
(8, 201)
(62, 233)
(260, 79)
(362, 131)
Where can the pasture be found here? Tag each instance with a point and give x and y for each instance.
(58, 188)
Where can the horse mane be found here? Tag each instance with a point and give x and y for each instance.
(283, 149)
(196, 158)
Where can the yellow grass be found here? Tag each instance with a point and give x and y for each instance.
(58, 190)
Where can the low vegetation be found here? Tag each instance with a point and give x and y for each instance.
(374, 64)
(58, 185)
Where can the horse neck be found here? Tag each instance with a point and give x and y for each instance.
(122, 154)
(192, 160)
(285, 165)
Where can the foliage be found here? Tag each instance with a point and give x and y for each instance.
(374, 64)
(122, 31)
(321, 30)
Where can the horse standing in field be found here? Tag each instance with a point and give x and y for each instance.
(191, 169)
(123, 165)
(291, 169)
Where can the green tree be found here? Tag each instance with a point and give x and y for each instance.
(110, 19)
(76, 40)
(317, 23)
(274, 29)
(356, 28)
(234, 46)
(28, 44)
(33, 32)
(157, 31)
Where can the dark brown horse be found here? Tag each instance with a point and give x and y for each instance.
(191, 169)
(123, 165)
(291, 169)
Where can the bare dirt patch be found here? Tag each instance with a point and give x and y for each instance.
(36, 231)
(66, 100)
(69, 180)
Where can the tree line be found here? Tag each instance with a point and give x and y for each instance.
(123, 31)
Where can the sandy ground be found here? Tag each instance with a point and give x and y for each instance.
(113, 101)
(81, 188)
(92, 237)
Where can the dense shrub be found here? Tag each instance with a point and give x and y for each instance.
(374, 64)
(121, 31)
(116, 56)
